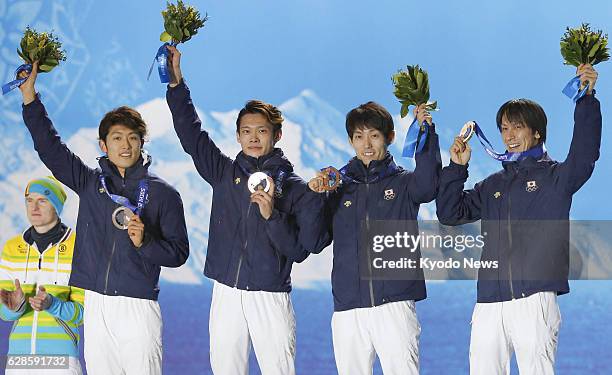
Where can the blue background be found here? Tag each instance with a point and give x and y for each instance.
(478, 54)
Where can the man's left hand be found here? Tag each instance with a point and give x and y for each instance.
(265, 200)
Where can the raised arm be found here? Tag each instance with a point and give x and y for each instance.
(586, 139)
(209, 161)
(423, 186)
(65, 166)
(455, 206)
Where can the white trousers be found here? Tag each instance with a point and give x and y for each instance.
(239, 319)
(391, 330)
(123, 335)
(74, 368)
(528, 326)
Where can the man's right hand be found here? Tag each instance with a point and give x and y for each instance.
(27, 88)
(12, 299)
(174, 65)
(460, 152)
(317, 182)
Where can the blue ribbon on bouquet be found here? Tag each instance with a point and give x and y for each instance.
(572, 89)
(161, 57)
(535, 152)
(8, 87)
(416, 137)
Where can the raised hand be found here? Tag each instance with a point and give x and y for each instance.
(174, 65)
(460, 152)
(135, 230)
(586, 72)
(12, 299)
(422, 114)
(317, 182)
(41, 301)
(27, 88)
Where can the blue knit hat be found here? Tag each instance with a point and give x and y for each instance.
(51, 189)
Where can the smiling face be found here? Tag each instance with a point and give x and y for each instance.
(517, 136)
(41, 213)
(122, 146)
(522, 124)
(256, 135)
(369, 144)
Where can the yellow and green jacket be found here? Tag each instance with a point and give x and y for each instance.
(55, 330)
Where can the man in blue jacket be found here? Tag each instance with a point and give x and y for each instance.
(255, 235)
(130, 223)
(524, 210)
(376, 316)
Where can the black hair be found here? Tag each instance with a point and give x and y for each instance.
(524, 111)
(370, 115)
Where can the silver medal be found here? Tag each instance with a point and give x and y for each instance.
(121, 217)
(258, 181)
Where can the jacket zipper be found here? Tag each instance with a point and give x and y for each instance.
(246, 227)
(244, 247)
(510, 236)
(34, 330)
(35, 317)
(367, 218)
(108, 269)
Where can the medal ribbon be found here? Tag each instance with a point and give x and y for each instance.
(535, 152)
(386, 172)
(143, 196)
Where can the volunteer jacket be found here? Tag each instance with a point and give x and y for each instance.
(53, 331)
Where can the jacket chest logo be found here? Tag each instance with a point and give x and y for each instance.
(497, 194)
(389, 194)
(347, 203)
(531, 186)
(237, 180)
(62, 248)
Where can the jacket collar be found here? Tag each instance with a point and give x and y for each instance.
(136, 172)
(54, 236)
(528, 163)
(271, 162)
(377, 169)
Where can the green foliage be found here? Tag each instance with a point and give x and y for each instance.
(181, 22)
(412, 88)
(42, 47)
(584, 46)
